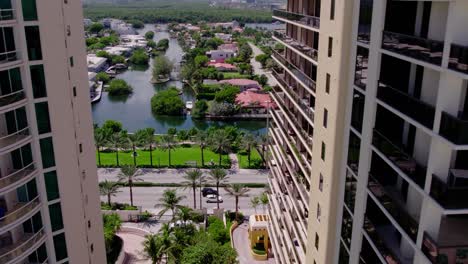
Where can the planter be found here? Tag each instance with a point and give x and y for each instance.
(125, 215)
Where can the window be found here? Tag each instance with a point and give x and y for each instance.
(344, 255)
(47, 152)
(332, 10)
(346, 227)
(38, 81)
(323, 151)
(55, 213)
(51, 184)
(319, 212)
(7, 44)
(60, 246)
(22, 157)
(72, 61)
(42, 117)
(354, 148)
(81, 148)
(327, 84)
(29, 10)
(362, 60)
(316, 241)
(74, 91)
(357, 112)
(325, 118)
(33, 41)
(89, 224)
(10, 81)
(92, 248)
(330, 46)
(321, 182)
(350, 191)
(365, 20)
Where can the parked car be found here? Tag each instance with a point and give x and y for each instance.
(206, 191)
(213, 198)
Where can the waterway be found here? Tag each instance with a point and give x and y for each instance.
(134, 111)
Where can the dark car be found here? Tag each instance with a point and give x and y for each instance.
(206, 191)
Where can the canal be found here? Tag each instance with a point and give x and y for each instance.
(134, 111)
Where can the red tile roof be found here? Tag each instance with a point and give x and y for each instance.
(255, 99)
(222, 65)
(241, 82)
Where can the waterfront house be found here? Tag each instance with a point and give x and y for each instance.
(96, 64)
(243, 84)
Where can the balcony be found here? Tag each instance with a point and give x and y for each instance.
(299, 74)
(308, 21)
(6, 15)
(309, 52)
(19, 211)
(400, 158)
(9, 56)
(11, 98)
(458, 60)
(415, 47)
(26, 243)
(418, 110)
(454, 129)
(16, 177)
(451, 195)
(10, 141)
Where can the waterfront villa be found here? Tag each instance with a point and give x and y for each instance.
(220, 54)
(243, 84)
(255, 102)
(223, 67)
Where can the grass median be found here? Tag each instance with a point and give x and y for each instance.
(255, 160)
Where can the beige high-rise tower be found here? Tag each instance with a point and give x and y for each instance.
(369, 145)
(49, 203)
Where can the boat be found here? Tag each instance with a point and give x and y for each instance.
(189, 105)
(161, 79)
(116, 69)
(97, 94)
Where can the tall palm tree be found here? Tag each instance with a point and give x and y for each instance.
(255, 202)
(100, 140)
(108, 189)
(218, 176)
(184, 214)
(263, 141)
(167, 241)
(220, 142)
(237, 190)
(169, 201)
(167, 144)
(115, 142)
(202, 140)
(154, 248)
(148, 141)
(129, 174)
(248, 142)
(264, 201)
(134, 141)
(192, 179)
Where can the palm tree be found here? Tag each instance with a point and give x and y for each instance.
(192, 178)
(115, 142)
(129, 174)
(154, 248)
(168, 143)
(148, 140)
(100, 139)
(218, 176)
(264, 201)
(134, 140)
(237, 190)
(220, 143)
(248, 142)
(108, 189)
(167, 241)
(202, 140)
(169, 201)
(255, 202)
(263, 141)
(184, 214)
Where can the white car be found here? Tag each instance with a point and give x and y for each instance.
(213, 198)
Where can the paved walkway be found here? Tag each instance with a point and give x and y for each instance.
(257, 66)
(242, 246)
(134, 248)
(234, 161)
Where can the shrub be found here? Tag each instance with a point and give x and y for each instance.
(139, 57)
(199, 110)
(95, 27)
(232, 216)
(103, 54)
(137, 23)
(172, 131)
(222, 109)
(117, 59)
(217, 231)
(112, 125)
(227, 94)
(167, 102)
(149, 35)
(145, 216)
(119, 87)
(102, 77)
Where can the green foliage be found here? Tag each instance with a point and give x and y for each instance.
(172, 131)
(206, 250)
(163, 44)
(95, 28)
(118, 206)
(102, 77)
(227, 94)
(112, 224)
(162, 67)
(139, 57)
(151, 44)
(222, 109)
(137, 23)
(199, 109)
(217, 231)
(262, 79)
(103, 54)
(262, 58)
(117, 59)
(112, 125)
(167, 102)
(245, 52)
(200, 61)
(245, 68)
(119, 87)
(149, 35)
(182, 135)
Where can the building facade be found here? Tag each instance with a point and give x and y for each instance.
(49, 203)
(369, 147)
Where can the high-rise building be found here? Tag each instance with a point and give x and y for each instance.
(49, 203)
(370, 144)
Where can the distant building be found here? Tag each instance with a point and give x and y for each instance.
(243, 84)
(133, 41)
(87, 22)
(96, 64)
(229, 46)
(224, 67)
(118, 50)
(225, 37)
(255, 102)
(220, 54)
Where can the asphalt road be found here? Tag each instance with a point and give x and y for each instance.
(257, 67)
(147, 197)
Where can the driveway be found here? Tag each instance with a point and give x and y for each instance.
(133, 247)
(257, 66)
(242, 246)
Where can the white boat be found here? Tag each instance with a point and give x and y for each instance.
(189, 105)
(96, 96)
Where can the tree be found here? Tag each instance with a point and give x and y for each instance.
(248, 142)
(264, 201)
(227, 94)
(103, 54)
(172, 131)
(270, 64)
(151, 44)
(201, 61)
(112, 125)
(206, 250)
(255, 202)
(95, 28)
(169, 201)
(262, 140)
(222, 109)
(154, 248)
(218, 176)
(245, 68)
(115, 141)
(148, 140)
(139, 57)
(237, 190)
(220, 143)
(102, 77)
(192, 178)
(137, 23)
(184, 215)
(149, 35)
(202, 140)
(199, 110)
(263, 80)
(167, 102)
(100, 140)
(182, 135)
(262, 58)
(168, 144)
(163, 44)
(162, 67)
(119, 87)
(116, 59)
(129, 174)
(108, 189)
(112, 224)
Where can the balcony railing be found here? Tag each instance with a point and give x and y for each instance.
(458, 58)
(454, 129)
(418, 110)
(415, 47)
(304, 49)
(299, 74)
(14, 137)
(310, 21)
(386, 252)
(8, 56)
(11, 98)
(16, 176)
(393, 208)
(400, 158)
(449, 195)
(20, 210)
(13, 251)
(7, 14)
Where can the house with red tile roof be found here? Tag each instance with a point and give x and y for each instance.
(223, 67)
(255, 102)
(243, 84)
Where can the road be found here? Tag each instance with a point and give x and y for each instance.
(257, 66)
(176, 175)
(147, 197)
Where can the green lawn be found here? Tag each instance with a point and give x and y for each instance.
(179, 156)
(235, 75)
(255, 160)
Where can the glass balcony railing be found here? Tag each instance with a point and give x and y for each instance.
(304, 49)
(418, 110)
(450, 195)
(310, 21)
(458, 60)
(15, 250)
(7, 14)
(11, 98)
(16, 175)
(8, 56)
(415, 47)
(18, 211)
(295, 70)
(454, 129)
(13, 138)
(400, 158)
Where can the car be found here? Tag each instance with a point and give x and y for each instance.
(213, 198)
(206, 191)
